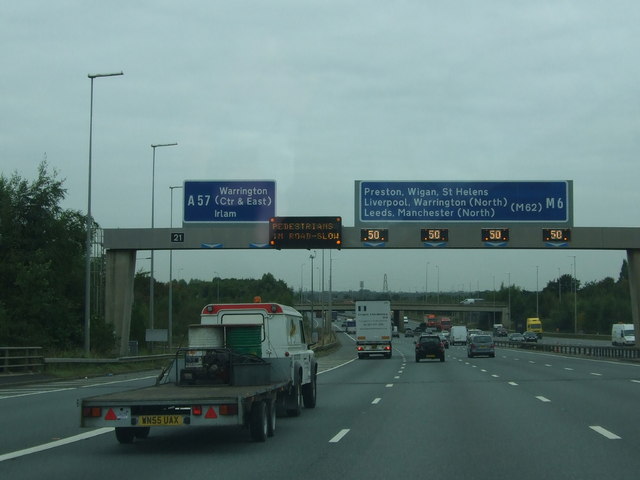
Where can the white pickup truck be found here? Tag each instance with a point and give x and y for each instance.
(245, 364)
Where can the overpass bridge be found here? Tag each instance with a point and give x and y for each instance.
(501, 310)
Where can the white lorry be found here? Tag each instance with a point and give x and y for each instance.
(623, 334)
(458, 335)
(245, 364)
(373, 328)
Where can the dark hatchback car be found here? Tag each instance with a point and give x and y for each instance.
(429, 346)
(530, 337)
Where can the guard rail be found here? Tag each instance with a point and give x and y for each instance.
(602, 351)
(21, 359)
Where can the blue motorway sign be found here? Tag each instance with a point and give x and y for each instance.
(229, 201)
(490, 201)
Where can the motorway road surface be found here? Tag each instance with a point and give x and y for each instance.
(521, 415)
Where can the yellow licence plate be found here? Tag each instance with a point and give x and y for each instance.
(159, 420)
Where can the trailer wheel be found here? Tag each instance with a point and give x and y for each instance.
(125, 434)
(271, 417)
(142, 432)
(258, 425)
(309, 392)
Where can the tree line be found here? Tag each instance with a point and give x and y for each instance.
(42, 268)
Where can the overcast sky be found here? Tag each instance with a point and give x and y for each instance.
(318, 94)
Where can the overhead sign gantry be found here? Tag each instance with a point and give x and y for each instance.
(391, 215)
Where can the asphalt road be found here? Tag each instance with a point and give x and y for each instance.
(521, 415)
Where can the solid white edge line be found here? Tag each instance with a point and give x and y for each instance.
(40, 392)
(337, 366)
(604, 432)
(57, 443)
(119, 381)
(339, 435)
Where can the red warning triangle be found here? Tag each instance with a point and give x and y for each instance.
(111, 415)
(211, 413)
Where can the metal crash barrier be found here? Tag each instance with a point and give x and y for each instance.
(601, 351)
(21, 359)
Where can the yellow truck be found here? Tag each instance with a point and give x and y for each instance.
(534, 325)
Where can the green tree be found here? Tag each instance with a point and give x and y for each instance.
(41, 263)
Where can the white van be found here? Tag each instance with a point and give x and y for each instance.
(458, 335)
(623, 334)
(471, 301)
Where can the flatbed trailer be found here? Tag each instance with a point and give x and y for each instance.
(253, 395)
(245, 365)
(132, 413)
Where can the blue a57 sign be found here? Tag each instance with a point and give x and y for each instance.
(490, 201)
(229, 201)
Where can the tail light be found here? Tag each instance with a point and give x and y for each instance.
(196, 410)
(360, 348)
(228, 409)
(92, 412)
(387, 347)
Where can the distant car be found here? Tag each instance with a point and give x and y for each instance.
(530, 337)
(473, 331)
(501, 332)
(395, 332)
(515, 337)
(405, 319)
(481, 344)
(408, 332)
(429, 346)
(445, 340)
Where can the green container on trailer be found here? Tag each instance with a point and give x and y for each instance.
(245, 340)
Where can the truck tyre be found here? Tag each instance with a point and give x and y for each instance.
(125, 434)
(442, 358)
(309, 392)
(271, 417)
(142, 432)
(417, 359)
(258, 421)
(294, 400)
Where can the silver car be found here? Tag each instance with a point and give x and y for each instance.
(480, 344)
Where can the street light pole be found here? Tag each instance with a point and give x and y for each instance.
(537, 288)
(312, 256)
(509, 295)
(87, 260)
(171, 275)
(426, 284)
(153, 186)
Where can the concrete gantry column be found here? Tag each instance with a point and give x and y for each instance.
(119, 294)
(633, 259)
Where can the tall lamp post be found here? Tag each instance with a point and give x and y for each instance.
(575, 296)
(171, 274)
(312, 256)
(426, 284)
(87, 267)
(153, 187)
